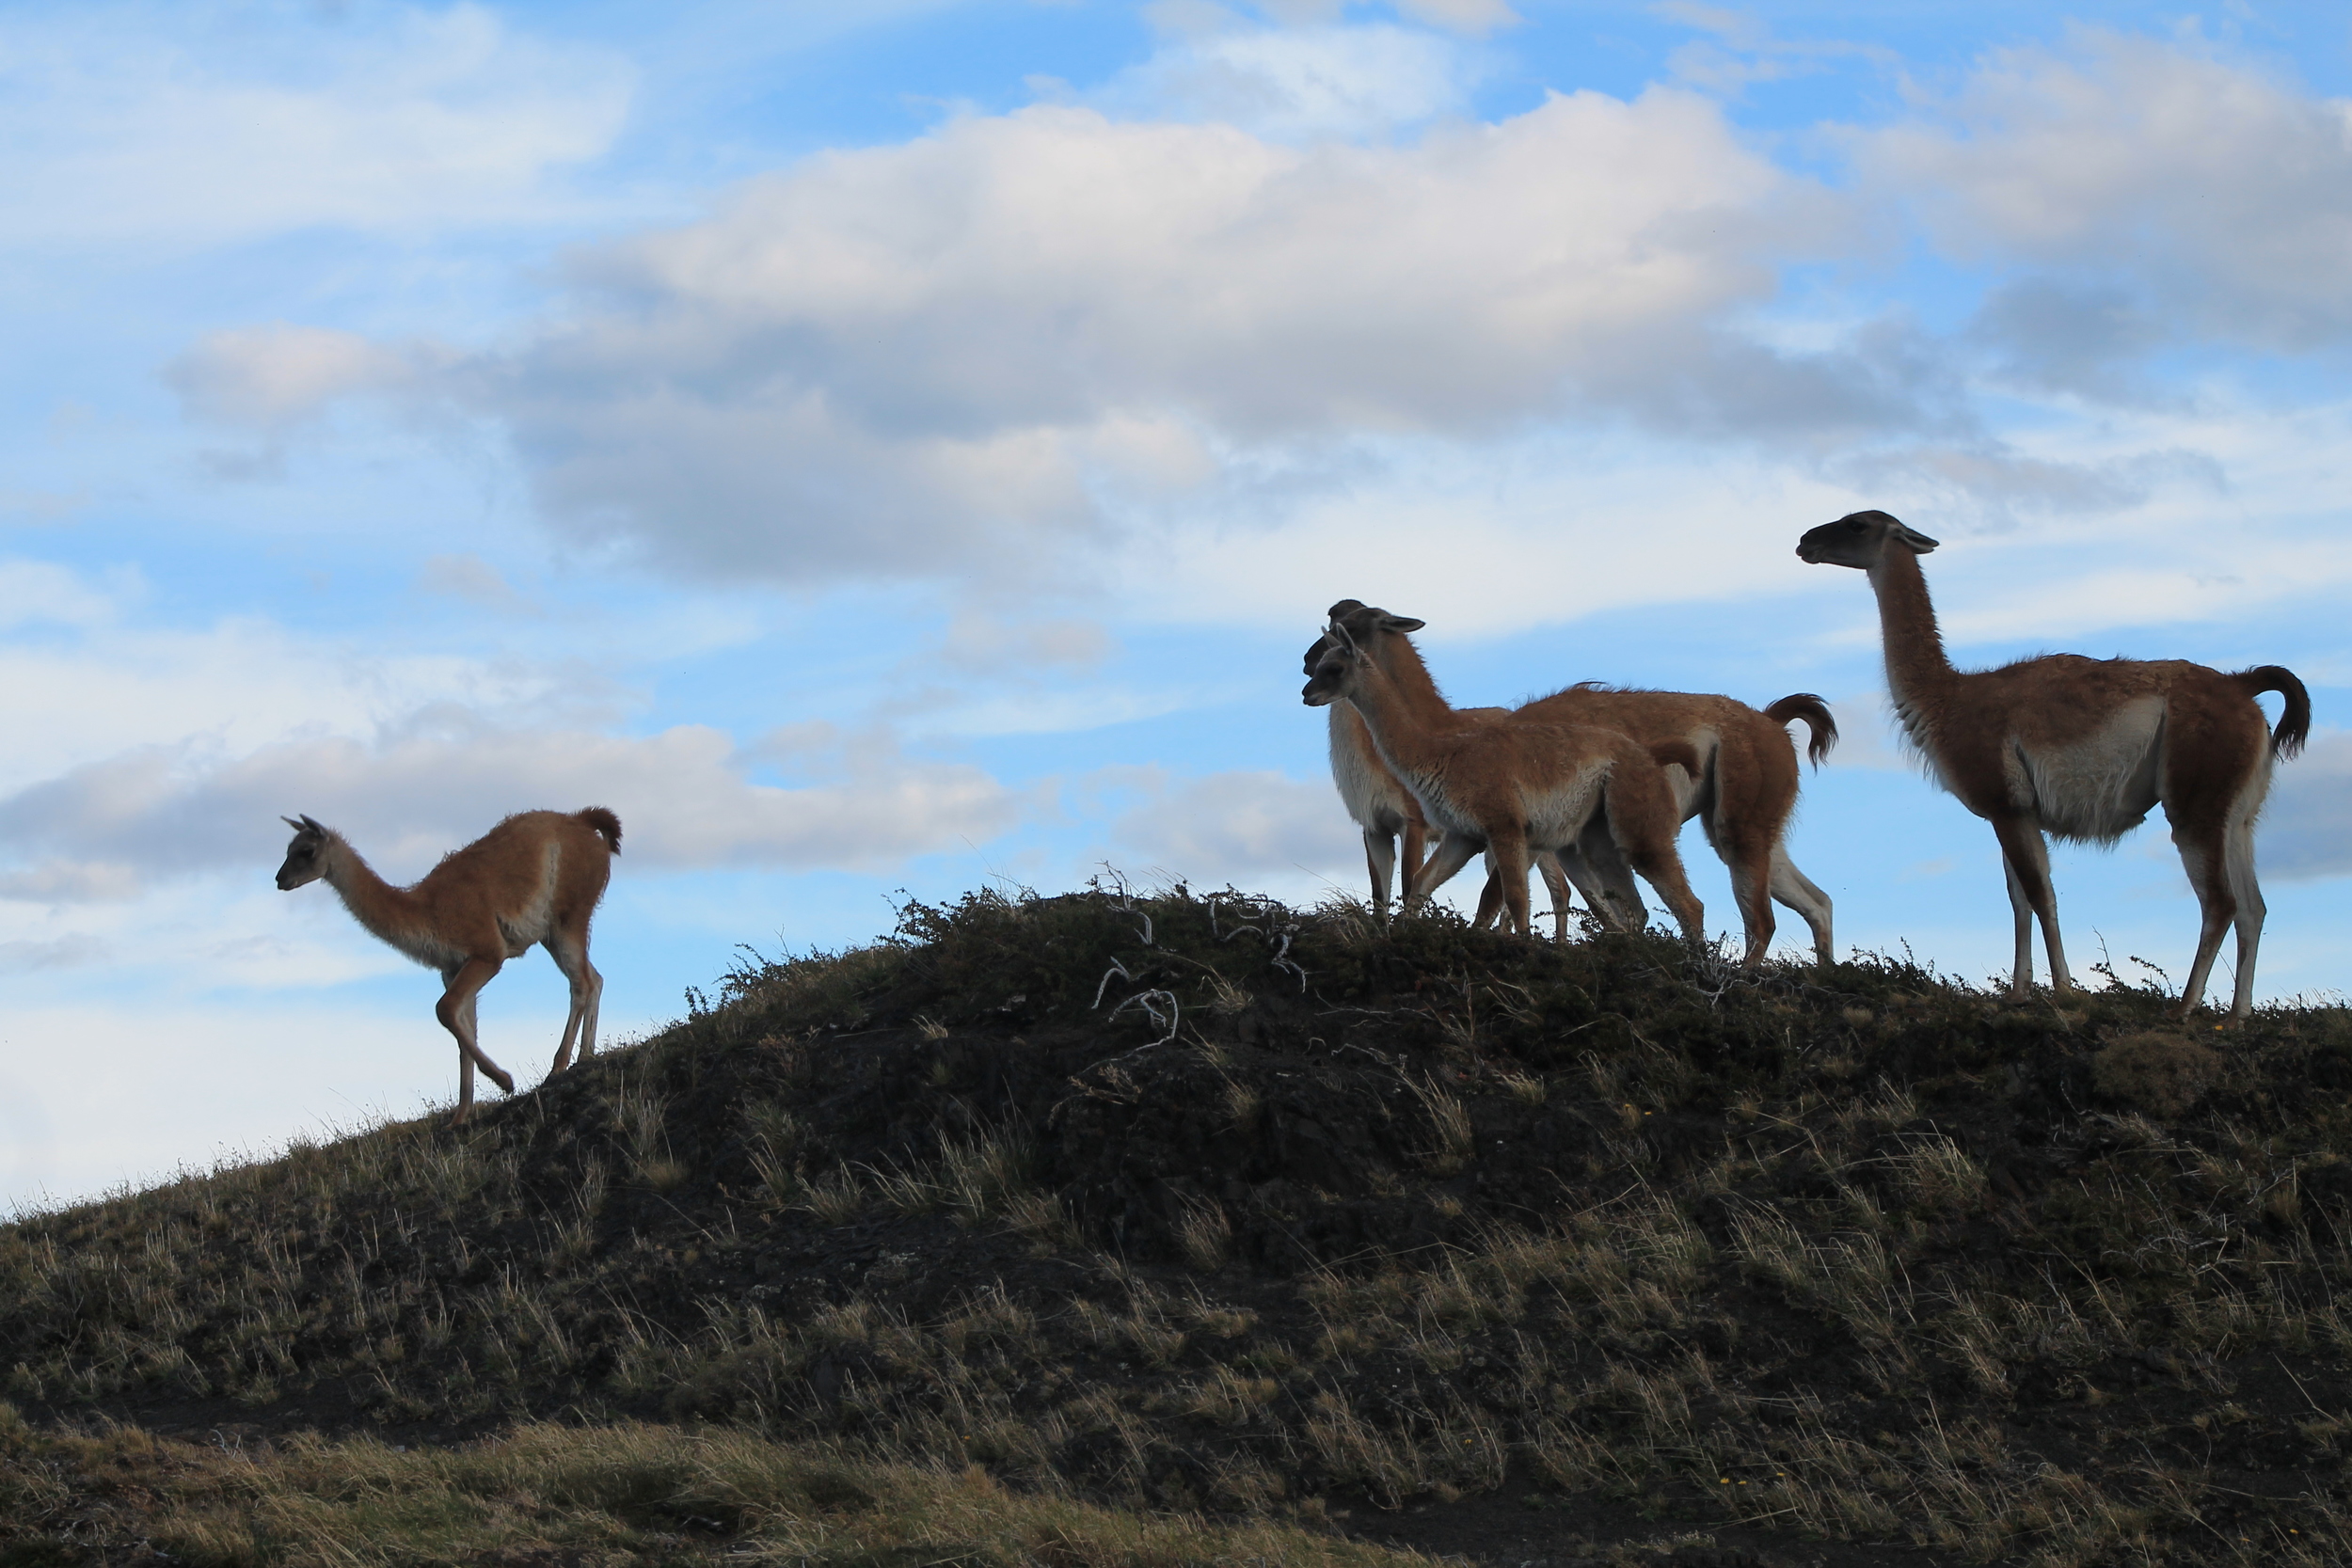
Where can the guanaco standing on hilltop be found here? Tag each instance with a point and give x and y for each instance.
(1743, 795)
(1380, 804)
(1515, 786)
(533, 880)
(2082, 747)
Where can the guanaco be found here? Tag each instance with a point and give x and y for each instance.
(532, 879)
(1511, 788)
(2082, 747)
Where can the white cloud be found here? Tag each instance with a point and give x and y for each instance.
(1056, 712)
(1050, 348)
(231, 689)
(2307, 827)
(88, 1101)
(1476, 18)
(2222, 191)
(67, 952)
(146, 754)
(1299, 85)
(2071, 335)
(2250, 530)
(1239, 827)
(71, 882)
(684, 796)
(466, 576)
(1018, 272)
(181, 125)
(1480, 543)
(42, 593)
(197, 934)
(42, 506)
(1741, 49)
(980, 644)
(278, 374)
(1004, 349)
(2086, 600)
(952, 357)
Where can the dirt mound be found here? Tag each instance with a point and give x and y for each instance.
(1199, 1201)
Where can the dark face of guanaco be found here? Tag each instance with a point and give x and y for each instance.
(1328, 674)
(1352, 623)
(1324, 645)
(306, 857)
(1860, 540)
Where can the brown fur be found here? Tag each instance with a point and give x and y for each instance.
(1744, 792)
(1512, 787)
(1815, 714)
(1386, 812)
(2082, 747)
(1602, 894)
(533, 880)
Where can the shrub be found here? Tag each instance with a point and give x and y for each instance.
(2160, 1072)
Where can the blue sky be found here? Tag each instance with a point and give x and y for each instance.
(879, 449)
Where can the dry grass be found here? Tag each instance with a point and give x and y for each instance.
(2162, 1071)
(1449, 1119)
(1860, 1257)
(602, 1494)
(1204, 1235)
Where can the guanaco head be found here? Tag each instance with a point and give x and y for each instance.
(1859, 539)
(306, 857)
(1323, 644)
(1346, 642)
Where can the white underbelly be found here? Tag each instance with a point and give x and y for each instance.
(1557, 813)
(2101, 787)
(529, 925)
(429, 950)
(524, 928)
(1442, 813)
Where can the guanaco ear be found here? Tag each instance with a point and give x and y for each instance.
(313, 824)
(1912, 539)
(1401, 623)
(291, 823)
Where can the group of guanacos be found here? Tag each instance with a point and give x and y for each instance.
(1590, 784)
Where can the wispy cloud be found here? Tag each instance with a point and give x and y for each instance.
(2216, 192)
(1023, 345)
(686, 795)
(275, 375)
(1297, 85)
(956, 356)
(1239, 827)
(2307, 828)
(178, 127)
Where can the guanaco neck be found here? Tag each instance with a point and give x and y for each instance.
(1347, 730)
(1917, 669)
(390, 912)
(1401, 705)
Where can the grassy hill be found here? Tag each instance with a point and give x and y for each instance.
(1178, 1229)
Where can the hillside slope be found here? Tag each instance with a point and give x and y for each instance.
(1204, 1203)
